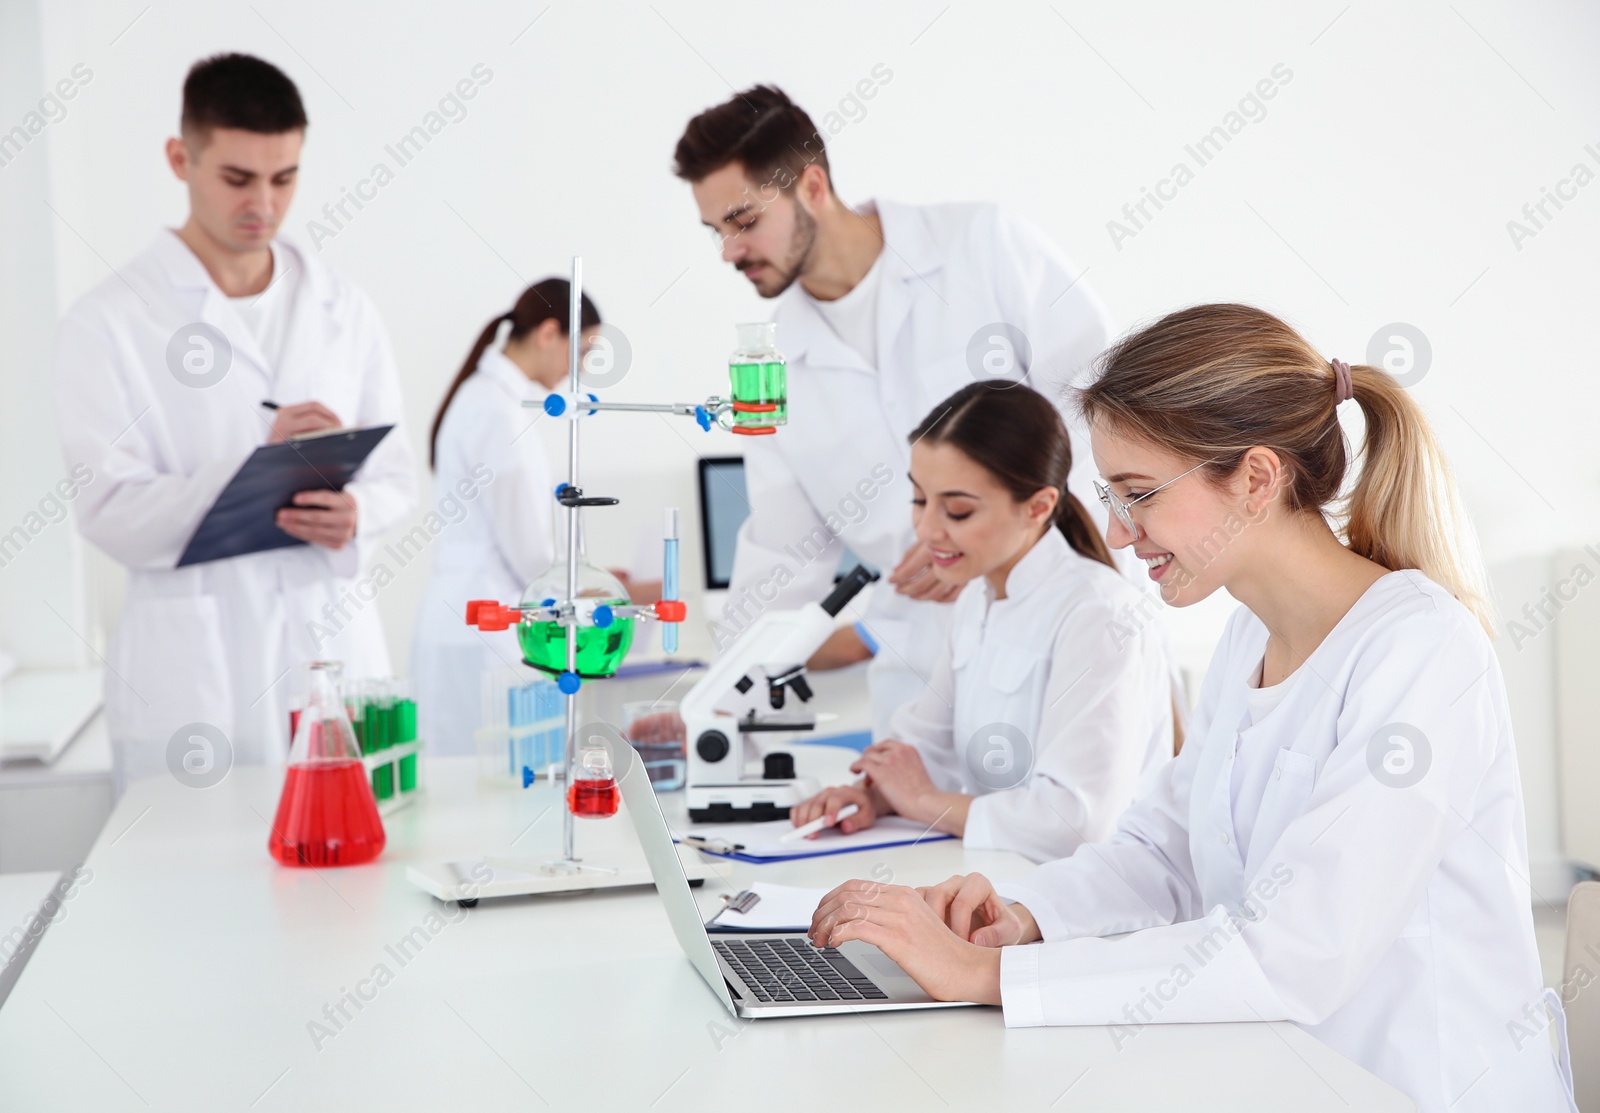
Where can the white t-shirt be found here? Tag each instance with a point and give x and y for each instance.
(855, 315)
(267, 314)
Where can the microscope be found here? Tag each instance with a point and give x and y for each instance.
(732, 777)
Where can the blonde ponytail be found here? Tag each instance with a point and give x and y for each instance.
(1213, 381)
(1404, 510)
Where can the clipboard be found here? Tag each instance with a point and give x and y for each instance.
(758, 842)
(242, 520)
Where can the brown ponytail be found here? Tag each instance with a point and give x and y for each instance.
(1080, 530)
(1016, 435)
(1213, 381)
(538, 304)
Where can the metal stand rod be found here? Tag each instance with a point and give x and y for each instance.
(575, 344)
(685, 408)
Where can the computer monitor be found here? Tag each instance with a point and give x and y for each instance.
(724, 506)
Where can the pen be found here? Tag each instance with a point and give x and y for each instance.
(818, 824)
(716, 846)
(269, 404)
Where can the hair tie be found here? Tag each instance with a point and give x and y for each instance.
(1343, 386)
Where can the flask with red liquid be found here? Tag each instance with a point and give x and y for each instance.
(327, 815)
(592, 791)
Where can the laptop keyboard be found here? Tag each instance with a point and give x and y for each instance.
(793, 970)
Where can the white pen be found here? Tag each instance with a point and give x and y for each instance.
(818, 824)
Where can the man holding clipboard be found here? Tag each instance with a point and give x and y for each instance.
(160, 376)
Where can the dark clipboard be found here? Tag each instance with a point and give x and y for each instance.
(243, 519)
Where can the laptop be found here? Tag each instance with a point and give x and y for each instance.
(760, 975)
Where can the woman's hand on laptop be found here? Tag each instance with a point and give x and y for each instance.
(971, 908)
(899, 922)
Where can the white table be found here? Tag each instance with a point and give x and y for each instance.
(187, 971)
(51, 813)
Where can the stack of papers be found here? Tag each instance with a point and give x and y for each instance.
(763, 842)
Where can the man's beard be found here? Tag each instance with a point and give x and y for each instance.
(801, 245)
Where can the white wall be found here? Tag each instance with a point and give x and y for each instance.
(1377, 188)
(41, 607)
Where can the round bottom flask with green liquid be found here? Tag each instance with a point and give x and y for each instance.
(601, 649)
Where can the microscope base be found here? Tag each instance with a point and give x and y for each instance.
(750, 802)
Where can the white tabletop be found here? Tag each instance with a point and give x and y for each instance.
(189, 968)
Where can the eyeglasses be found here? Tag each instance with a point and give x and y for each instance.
(1124, 510)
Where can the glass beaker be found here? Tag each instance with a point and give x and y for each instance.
(759, 377)
(600, 648)
(655, 729)
(327, 815)
(592, 791)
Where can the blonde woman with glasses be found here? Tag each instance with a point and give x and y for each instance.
(1341, 842)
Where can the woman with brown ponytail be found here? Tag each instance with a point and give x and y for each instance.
(1052, 701)
(1340, 842)
(493, 529)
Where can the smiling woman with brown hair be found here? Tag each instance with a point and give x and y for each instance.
(1051, 704)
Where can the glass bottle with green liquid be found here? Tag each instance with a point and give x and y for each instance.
(759, 379)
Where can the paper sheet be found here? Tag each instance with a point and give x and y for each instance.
(781, 908)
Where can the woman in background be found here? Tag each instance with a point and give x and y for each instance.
(494, 492)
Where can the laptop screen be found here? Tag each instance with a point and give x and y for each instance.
(644, 810)
(724, 505)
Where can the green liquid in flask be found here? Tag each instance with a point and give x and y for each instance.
(600, 650)
(764, 383)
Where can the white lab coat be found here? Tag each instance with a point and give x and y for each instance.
(1052, 706)
(495, 490)
(836, 474)
(219, 643)
(1382, 900)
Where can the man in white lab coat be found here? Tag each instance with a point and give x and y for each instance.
(883, 311)
(160, 376)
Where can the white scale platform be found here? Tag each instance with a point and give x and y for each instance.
(609, 843)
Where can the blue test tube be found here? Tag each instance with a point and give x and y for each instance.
(669, 579)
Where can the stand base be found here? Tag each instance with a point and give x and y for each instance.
(459, 881)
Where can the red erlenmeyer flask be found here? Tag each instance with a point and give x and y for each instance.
(326, 815)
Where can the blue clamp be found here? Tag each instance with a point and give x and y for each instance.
(703, 417)
(593, 398)
(569, 683)
(555, 405)
(528, 776)
(548, 602)
(603, 616)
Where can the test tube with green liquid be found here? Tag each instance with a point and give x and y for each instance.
(405, 730)
(378, 712)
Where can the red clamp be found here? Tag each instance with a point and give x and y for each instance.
(488, 614)
(671, 610)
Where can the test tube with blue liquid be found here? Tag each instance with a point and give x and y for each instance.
(669, 579)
